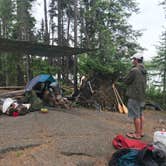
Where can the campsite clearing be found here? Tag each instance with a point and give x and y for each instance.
(67, 137)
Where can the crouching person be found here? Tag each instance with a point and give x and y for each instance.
(55, 99)
(32, 98)
(53, 96)
(48, 98)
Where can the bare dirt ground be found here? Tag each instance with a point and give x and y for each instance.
(77, 137)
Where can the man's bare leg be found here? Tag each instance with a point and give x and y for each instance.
(141, 125)
(137, 124)
(137, 133)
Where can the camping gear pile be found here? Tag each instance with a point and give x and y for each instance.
(13, 108)
(43, 90)
(47, 91)
(138, 153)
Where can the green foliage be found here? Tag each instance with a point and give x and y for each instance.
(154, 94)
(16, 22)
(24, 21)
(160, 64)
(7, 63)
(102, 24)
(89, 65)
(41, 66)
(108, 30)
(6, 17)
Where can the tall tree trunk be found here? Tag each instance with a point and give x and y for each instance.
(75, 45)
(63, 57)
(87, 22)
(59, 33)
(0, 28)
(164, 81)
(68, 58)
(46, 36)
(52, 31)
(20, 76)
(82, 27)
(28, 69)
(6, 70)
(59, 23)
(68, 29)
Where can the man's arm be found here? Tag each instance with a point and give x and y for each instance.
(130, 77)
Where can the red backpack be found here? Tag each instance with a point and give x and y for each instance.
(120, 142)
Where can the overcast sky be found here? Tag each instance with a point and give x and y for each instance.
(150, 19)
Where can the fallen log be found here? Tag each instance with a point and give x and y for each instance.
(11, 87)
(12, 93)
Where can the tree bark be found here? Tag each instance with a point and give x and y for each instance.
(164, 82)
(28, 70)
(46, 35)
(59, 32)
(75, 45)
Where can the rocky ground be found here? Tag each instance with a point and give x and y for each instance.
(76, 137)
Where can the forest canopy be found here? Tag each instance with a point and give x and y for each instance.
(94, 24)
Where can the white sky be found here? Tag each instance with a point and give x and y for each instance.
(150, 19)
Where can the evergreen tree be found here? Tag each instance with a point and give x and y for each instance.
(6, 26)
(24, 30)
(46, 34)
(160, 64)
(105, 26)
(6, 18)
(25, 22)
(60, 21)
(95, 23)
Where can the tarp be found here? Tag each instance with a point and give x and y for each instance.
(40, 49)
(40, 78)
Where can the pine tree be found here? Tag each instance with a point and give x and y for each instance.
(6, 18)
(24, 30)
(6, 26)
(105, 26)
(46, 34)
(25, 22)
(160, 64)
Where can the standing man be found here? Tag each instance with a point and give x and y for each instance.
(136, 82)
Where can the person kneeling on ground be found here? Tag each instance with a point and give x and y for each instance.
(53, 97)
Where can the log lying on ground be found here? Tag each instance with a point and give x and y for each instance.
(11, 87)
(12, 93)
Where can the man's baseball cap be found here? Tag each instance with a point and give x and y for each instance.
(137, 56)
